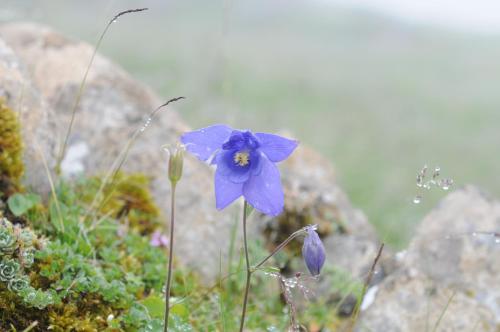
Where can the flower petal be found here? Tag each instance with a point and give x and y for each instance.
(226, 191)
(203, 143)
(264, 191)
(231, 171)
(275, 147)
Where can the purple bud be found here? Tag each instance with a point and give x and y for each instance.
(313, 252)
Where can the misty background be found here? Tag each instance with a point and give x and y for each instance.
(379, 87)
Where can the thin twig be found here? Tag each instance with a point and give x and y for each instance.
(365, 287)
(82, 86)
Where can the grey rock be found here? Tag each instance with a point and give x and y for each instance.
(113, 106)
(456, 252)
(38, 127)
(313, 195)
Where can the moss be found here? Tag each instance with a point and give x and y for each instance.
(14, 313)
(11, 151)
(129, 199)
(88, 316)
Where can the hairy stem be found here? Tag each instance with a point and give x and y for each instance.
(170, 256)
(249, 271)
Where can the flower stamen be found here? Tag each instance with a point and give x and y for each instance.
(242, 158)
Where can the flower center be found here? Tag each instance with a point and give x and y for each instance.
(241, 158)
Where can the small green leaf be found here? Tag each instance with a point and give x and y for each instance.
(155, 306)
(19, 204)
(180, 310)
(57, 213)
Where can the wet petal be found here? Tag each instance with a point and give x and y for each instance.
(263, 191)
(275, 147)
(226, 191)
(203, 143)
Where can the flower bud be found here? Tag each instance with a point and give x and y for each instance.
(313, 252)
(175, 163)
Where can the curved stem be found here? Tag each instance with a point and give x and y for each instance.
(281, 246)
(249, 271)
(170, 257)
(81, 88)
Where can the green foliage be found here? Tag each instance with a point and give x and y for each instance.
(91, 277)
(17, 248)
(11, 151)
(19, 204)
(102, 274)
(128, 196)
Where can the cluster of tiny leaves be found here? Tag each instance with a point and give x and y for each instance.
(18, 247)
(98, 274)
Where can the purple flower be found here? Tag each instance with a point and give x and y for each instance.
(245, 164)
(158, 239)
(313, 252)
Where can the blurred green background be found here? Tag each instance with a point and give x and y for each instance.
(377, 95)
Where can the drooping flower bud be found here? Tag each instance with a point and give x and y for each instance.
(175, 163)
(313, 252)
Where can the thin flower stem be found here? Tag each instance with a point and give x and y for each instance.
(281, 246)
(170, 257)
(249, 271)
(365, 287)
